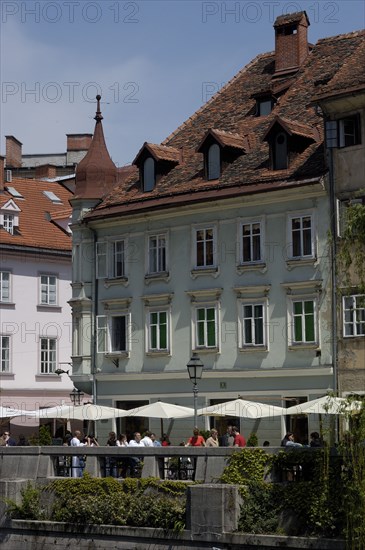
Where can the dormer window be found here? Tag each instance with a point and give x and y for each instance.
(288, 139)
(280, 151)
(214, 162)
(219, 149)
(149, 175)
(154, 162)
(9, 216)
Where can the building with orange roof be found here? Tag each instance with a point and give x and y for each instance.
(35, 276)
(216, 243)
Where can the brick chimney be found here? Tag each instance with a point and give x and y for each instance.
(13, 152)
(78, 142)
(45, 171)
(291, 42)
(2, 166)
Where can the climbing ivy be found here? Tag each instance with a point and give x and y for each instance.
(351, 248)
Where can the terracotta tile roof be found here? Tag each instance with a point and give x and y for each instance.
(293, 127)
(36, 214)
(225, 139)
(159, 152)
(231, 112)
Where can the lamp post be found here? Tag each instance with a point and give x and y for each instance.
(195, 370)
(76, 396)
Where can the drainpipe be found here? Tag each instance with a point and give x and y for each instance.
(94, 315)
(331, 143)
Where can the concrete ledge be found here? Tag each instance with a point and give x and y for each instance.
(43, 534)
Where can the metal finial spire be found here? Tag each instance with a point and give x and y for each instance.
(98, 116)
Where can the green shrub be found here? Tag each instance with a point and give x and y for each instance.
(30, 507)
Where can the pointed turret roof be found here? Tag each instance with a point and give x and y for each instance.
(96, 174)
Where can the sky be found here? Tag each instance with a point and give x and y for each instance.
(153, 62)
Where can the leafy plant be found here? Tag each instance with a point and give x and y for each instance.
(252, 440)
(30, 507)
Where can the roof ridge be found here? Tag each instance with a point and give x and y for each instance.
(214, 96)
(351, 34)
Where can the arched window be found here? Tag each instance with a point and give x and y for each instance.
(149, 176)
(214, 162)
(280, 151)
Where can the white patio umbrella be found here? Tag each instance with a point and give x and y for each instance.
(89, 411)
(7, 412)
(242, 408)
(159, 409)
(325, 405)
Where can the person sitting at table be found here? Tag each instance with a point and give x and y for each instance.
(288, 441)
(212, 441)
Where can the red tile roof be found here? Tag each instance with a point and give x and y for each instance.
(159, 152)
(231, 112)
(36, 229)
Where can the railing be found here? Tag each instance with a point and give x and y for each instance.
(176, 463)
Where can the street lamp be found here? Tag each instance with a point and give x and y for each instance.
(195, 370)
(76, 396)
(61, 371)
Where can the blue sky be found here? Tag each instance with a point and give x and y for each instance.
(154, 62)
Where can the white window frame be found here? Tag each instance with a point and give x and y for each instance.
(9, 223)
(115, 254)
(104, 327)
(48, 365)
(197, 323)
(292, 321)
(243, 303)
(106, 256)
(195, 231)
(149, 325)
(251, 222)
(160, 252)
(46, 289)
(5, 286)
(5, 354)
(301, 215)
(356, 311)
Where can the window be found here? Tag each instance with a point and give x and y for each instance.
(112, 336)
(354, 315)
(48, 355)
(111, 259)
(301, 236)
(9, 223)
(251, 242)
(304, 322)
(280, 151)
(5, 353)
(205, 247)
(214, 162)
(264, 107)
(48, 290)
(101, 249)
(253, 324)
(349, 131)
(4, 286)
(206, 327)
(118, 258)
(149, 176)
(158, 331)
(157, 253)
